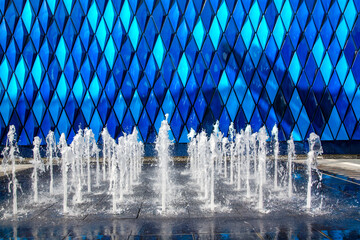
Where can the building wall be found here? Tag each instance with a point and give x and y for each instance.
(71, 63)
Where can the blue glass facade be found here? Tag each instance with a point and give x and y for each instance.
(65, 63)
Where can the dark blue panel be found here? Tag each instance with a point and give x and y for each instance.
(279, 104)
(152, 107)
(256, 121)
(113, 126)
(240, 120)
(143, 89)
(192, 88)
(207, 51)
(61, 16)
(144, 126)
(342, 104)
(264, 105)
(326, 104)
(127, 89)
(184, 106)
(356, 70)
(176, 125)
(23, 109)
(176, 88)
(128, 123)
(318, 122)
(239, 51)
(224, 122)
(350, 122)
(287, 123)
(208, 88)
(77, 15)
(248, 69)
(46, 90)
(334, 15)
(71, 108)
(216, 105)
(350, 51)
(207, 13)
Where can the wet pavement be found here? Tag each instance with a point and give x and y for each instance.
(335, 214)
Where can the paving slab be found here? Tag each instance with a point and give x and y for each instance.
(139, 215)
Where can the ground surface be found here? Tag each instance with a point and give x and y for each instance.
(235, 217)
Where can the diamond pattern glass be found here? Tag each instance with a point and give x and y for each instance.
(125, 64)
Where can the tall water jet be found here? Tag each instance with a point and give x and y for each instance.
(50, 154)
(191, 148)
(247, 139)
(275, 137)
(114, 180)
(254, 150)
(218, 137)
(111, 163)
(162, 146)
(140, 151)
(122, 165)
(315, 149)
(291, 157)
(65, 152)
(239, 149)
(232, 148)
(77, 149)
(127, 163)
(133, 156)
(214, 156)
(38, 165)
(224, 149)
(90, 150)
(97, 171)
(105, 138)
(10, 154)
(262, 166)
(203, 163)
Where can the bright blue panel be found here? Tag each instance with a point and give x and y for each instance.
(247, 33)
(126, 15)
(248, 105)
(159, 51)
(199, 33)
(232, 106)
(183, 69)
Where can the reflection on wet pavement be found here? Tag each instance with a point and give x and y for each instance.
(139, 216)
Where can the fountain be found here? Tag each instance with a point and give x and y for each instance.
(10, 154)
(90, 151)
(214, 155)
(238, 163)
(77, 147)
(191, 148)
(224, 149)
(232, 148)
(247, 139)
(114, 179)
(291, 156)
(65, 152)
(275, 137)
(162, 146)
(50, 154)
(105, 138)
(315, 149)
(38, 165)
(238, 150)
(262, 167)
